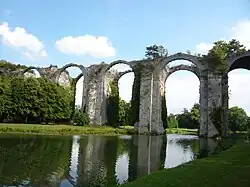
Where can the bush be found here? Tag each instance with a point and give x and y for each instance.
(80, 118)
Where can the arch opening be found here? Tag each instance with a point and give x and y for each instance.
(118, 83)
(181, 96)
(242, 63)
(186, 58)
(31, 72)
(72, 77)
(239, 100)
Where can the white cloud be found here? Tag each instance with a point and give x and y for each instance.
(240, 31)
(86, 45)
(29, 45)
(203, 48)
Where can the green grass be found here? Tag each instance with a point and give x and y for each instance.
(181, 131)
(62, 129)
(230, 168)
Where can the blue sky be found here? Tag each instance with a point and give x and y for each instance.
(127, 25)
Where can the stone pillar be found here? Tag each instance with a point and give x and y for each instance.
(149, 154)
(95, 101)
(214, 100)
(84, 94)
(151, 91)
(225, 99)
(203, 104)
(145, 102)
(157, 95)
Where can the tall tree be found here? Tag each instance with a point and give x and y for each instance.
(238, 119)
(155, 51)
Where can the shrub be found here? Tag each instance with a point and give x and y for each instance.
(80, 118)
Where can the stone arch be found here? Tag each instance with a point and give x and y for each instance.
(108, 66)
(242, 61)
(123, 73)
(169, 71)
(81, 67)
(32, 68)
(179, 56)
(190, 68)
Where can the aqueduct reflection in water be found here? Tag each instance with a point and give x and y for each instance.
(95, 160)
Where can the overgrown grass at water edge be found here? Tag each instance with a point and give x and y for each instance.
(62, 129)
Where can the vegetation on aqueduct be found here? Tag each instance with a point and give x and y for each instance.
(36, 100)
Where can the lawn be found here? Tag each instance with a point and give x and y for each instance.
(62, 129)
(230, 168)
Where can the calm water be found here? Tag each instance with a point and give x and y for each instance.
(95, 160)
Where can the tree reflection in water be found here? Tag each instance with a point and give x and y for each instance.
(95, 160)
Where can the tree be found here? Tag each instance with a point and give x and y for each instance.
(195, 115)
(238, 119)
(124, 113)
(221, 51)
(172, 122)
(113, 104)
(155, 51)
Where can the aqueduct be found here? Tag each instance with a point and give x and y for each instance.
(213, 88)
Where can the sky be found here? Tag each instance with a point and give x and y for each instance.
(40, 33)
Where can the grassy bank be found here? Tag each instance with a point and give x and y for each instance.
(181, 131)
(229, 168)
(62, 129)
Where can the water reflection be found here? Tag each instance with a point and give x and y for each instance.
(95, 160)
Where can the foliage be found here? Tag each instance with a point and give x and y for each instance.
(113, 104)
(135, 101)
(155, 51)
(124, 113)
(164, 112)
(34, 159)
(80, 117)
(238, 119)
(34, 100)
(11, 67)
(190, 120)
(221, 51)
(172, 121)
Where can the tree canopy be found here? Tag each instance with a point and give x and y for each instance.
(155, 51)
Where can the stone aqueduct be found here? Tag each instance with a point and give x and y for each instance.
(213, 88)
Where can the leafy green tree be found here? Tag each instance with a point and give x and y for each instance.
(221, 51)
(155, 51)
(135, 100)
(5, 99)
(113, 105)
(124, 113)
(238, 119)
(195, 115)
(172, 121)
(80, 118)
(164, 112)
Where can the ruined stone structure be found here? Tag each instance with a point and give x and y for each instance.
(213, 88)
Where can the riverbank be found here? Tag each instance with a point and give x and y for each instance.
(63, 129)
(181, 131)
(229, 168)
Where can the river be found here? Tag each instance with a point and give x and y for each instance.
(95, 160)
